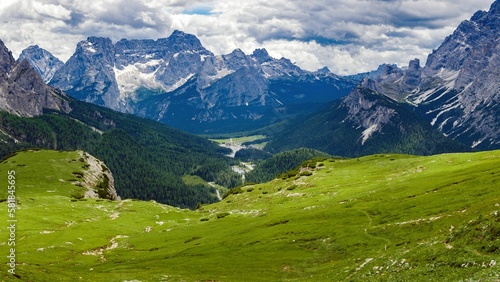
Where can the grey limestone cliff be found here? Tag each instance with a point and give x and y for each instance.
(23, 91)
(98, 179)
(42, 61)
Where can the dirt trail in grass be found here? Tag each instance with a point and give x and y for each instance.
(371, 236)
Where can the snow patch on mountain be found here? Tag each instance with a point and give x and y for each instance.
(89, 46)
(132, 77)
(176, 80)
(221, 73)
(448, 79)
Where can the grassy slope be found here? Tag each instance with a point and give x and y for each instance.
(381, 217)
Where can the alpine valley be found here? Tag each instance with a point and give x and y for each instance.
(390, 175)
(178, 82)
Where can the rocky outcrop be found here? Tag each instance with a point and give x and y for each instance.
(460, 88)
(367, 112)
(7, 61)
(97, 179)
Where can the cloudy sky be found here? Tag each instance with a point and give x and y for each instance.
(348, 36)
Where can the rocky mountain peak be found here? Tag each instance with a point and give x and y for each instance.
(495, 7)
(412, 76)
(100, 42)
(236, 53)
(388, 69)
(323, 70)
(96, 46)
(414, 65)
(458, 89)
(91, 64)
(34, 50)
(22, 90)
(6, 58)
(42, 61)
(180, 41)
(261, 55)
(237, 60)
(473, 40)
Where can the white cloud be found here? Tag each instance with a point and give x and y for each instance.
(50, 10)
(348, 36)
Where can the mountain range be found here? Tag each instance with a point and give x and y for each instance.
(177, 81)
(457, 93)
(22, 90)
(458, 89)
(42, 61)
(448, 105)
(385, 216)
(148, 159)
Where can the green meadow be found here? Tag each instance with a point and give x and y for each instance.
(375, 218)
(239, 140)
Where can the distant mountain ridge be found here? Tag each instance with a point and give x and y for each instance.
(457, 93)
(458, 89)
(148, 159)
(177, 81)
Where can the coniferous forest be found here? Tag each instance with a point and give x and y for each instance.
(147, 158)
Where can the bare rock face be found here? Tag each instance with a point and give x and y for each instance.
(460, 88)
(98, 179)
(22, 90)
(42, 61)
(367, 113)
(6, 59)
(88, 75)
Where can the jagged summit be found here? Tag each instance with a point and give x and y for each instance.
(42, 61)
(261, 55)
(495, 7)
(324, 70)
(180, 41)
(148, 77)
(23, 91)
(458, 89)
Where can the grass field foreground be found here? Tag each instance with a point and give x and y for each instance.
(375, 218)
